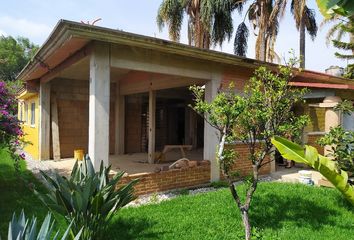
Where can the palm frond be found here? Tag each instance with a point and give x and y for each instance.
(241, 40)
(170, 13)
(310, 22)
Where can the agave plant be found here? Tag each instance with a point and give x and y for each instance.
(23, 229)
(327, 167)
(87, 198)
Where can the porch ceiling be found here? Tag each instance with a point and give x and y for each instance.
(81, 71)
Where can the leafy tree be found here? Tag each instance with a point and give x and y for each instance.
(264, 16)
(305, 20)
(329, 8)
(342, 13)
(209, 21)
(14, 55)
(263, 111)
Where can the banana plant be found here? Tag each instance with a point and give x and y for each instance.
(327, 167)
(23, 229)
(88, 198)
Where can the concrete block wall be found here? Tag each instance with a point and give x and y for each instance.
(73, 115)
(133, 123)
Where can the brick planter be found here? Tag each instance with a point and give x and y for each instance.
(168, 180)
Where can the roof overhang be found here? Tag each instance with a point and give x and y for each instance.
(69, 37)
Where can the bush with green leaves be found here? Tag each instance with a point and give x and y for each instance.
(341, 141)
(87, 198)
(23, 229)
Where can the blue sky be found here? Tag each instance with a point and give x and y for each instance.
(36, 18)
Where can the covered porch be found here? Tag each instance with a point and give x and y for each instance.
(123, 105)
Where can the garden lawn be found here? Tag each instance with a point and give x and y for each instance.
(15, 193)
(279, 211)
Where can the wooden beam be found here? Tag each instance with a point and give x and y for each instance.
(55, 128)
(119, 121)
(152, 130)
(74, 58)
(44, 121)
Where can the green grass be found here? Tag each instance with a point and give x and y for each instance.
(279, 211)
(15, 193)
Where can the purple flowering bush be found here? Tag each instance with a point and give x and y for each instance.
(10, 129)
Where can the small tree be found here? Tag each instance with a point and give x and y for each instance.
(264, 110)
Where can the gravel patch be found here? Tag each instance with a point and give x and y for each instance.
(36, 166)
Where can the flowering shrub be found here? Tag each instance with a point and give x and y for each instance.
(10, 129)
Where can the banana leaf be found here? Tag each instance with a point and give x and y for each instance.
(327, 167)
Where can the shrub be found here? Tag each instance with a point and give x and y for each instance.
(10, 129)
(87, 198)
(23, 229)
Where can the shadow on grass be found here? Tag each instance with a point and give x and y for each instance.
(275, 210)
(132, 228)
(15, 194)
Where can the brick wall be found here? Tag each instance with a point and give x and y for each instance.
(243, 166)
(168, 180)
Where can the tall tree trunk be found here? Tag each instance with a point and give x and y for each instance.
(302, 43)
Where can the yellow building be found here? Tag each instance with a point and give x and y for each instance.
(28, 113)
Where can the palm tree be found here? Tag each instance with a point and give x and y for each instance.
(209, 21)
(305, 20)
(264, 15)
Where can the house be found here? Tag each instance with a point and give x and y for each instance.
(117, 95)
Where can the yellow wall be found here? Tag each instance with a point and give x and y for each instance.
(31, 131)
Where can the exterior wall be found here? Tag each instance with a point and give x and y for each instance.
(31, 131)
(73, 115)
(168, 180)
(242, 165)
(133, 124)
(311, 140)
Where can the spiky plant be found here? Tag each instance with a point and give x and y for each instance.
(22, 228)
(87, 198)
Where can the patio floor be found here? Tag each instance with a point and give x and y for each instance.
(130, 163)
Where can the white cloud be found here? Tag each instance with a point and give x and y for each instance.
(36, 32)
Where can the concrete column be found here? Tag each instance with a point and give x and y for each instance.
(332, 117)
(152, 129)
(44, 121)
(119, 121)
(210, 134)
(99, 105)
